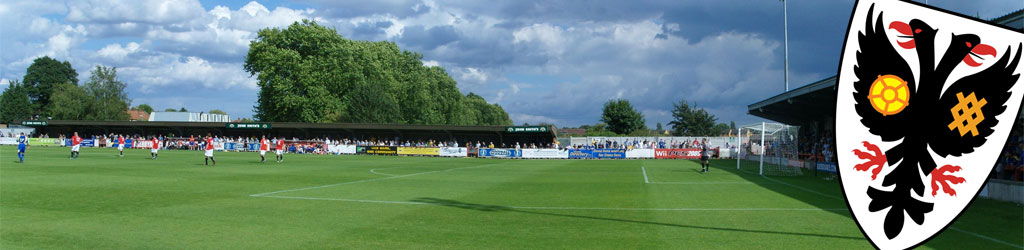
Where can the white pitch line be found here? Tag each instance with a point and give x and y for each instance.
(644, 170)
(561, 208)
(375, 172)
(986, 237)
(367, 180)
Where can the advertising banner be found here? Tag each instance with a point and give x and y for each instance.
(609, 153)
(139, 144)
(677, 153)
(826, 167)
(127, 144)
(600, 153)
(640, 153)
(377, 150)
(545, 153)
(8, 140)
(42, 141)
(341, 149)
(500, 152)
(454, 152)
(580, 154)
(418, 151)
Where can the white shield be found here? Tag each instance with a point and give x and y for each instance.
(937, 93)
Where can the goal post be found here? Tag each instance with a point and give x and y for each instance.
(769, 149)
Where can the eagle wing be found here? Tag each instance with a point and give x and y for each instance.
(875, 58)
(991, 85)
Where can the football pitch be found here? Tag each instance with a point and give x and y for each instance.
(101, 201)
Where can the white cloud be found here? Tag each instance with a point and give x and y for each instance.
(145, 11)
(549, 36)
(174, 70)
(473, 75)
(254, 16)
(117, 52)
(431, 63)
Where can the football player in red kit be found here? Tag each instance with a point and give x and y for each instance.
(209, 150)
(120, 145)
(264, 146)
(75, 145)
(156, 147)
(280, 149)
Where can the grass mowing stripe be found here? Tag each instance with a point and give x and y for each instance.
(986, 238)
(367, 180)
(839, 198)
(562, 208)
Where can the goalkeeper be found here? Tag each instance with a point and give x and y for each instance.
(705, 155)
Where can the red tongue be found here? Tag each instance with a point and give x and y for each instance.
(981, 49)
(901, 27)
(907, 45)
(904, 29)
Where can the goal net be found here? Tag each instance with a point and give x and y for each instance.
(769, 149)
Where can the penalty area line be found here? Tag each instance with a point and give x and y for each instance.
(644, 170)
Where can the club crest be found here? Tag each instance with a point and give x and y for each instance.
(925, 103)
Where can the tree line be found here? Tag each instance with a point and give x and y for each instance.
(50, 90)
(619, 117)
(309, 73)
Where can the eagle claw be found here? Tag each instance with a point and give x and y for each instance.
(876, 161)
(939, 178)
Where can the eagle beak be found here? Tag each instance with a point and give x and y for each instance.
(906, 32)
(978, 51)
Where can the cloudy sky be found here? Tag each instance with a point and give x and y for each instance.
(543, 61)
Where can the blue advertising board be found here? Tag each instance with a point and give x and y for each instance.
(599, 153)
(127, 143)
(85, 142)
(827, 167)
(500, 152)
(604, 153)
(580, 153)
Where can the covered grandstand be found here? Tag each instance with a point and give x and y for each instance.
(812, 108)
(497, 134)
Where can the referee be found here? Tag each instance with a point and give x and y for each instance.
(705, 154)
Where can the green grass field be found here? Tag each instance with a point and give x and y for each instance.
(101, 201)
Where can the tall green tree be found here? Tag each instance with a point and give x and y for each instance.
(692, 121)
(109, 101)
(309, 73)
(183, 109)
(170, 110)
(720, 129)
(218, 112)
(15, 103)
(145, 108)
(621, 117)
(42, 77)
(69, 102)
